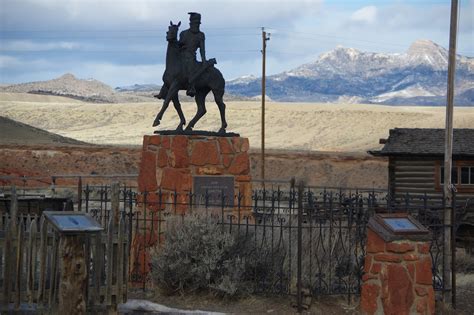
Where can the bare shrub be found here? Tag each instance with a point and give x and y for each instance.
(464, 262)
(198, 254)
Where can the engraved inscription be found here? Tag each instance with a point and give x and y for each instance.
(209, 190)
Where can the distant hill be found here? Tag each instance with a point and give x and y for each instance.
(149, 90)
(417, 77)
(68, 85)
(14, 132)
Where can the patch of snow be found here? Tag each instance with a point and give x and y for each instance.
(412, 91)
(148, 306)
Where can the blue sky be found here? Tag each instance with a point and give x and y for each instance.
(123, 42)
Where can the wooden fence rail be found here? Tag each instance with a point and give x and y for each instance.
(30, 252)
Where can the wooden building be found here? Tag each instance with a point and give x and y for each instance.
(416, 167)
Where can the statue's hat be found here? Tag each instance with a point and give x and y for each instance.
(194, 17)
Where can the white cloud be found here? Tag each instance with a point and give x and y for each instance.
(112, 13)
(27, 70)
(8, 61)
(26, 45)
(366, 15)
(119, 75)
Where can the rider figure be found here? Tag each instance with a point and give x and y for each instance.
(190, 40)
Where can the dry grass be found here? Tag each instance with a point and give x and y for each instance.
(289, 126)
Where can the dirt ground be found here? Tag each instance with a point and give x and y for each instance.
(285, 304)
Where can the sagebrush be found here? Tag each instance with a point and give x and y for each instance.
(199, 254)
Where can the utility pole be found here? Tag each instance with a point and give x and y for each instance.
(448, 162)
(264, 53)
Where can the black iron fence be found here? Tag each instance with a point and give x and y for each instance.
(314, 237)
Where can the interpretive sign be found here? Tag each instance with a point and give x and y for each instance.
(72, 222)
(213, 190)
(400, 223)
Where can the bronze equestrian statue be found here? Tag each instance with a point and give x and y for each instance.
(184, 72)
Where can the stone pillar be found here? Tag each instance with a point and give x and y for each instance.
(167, 167)
(397, 277)
(169, 163)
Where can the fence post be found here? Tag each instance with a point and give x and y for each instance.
(14, 211)
(115, 203)
(19, 260)
(300, 241)
(79, 194)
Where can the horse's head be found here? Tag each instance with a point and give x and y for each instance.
(172, 34)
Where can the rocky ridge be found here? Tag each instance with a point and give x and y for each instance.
(89, 90)
(417, 77)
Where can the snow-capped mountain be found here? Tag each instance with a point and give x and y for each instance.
(417, 77)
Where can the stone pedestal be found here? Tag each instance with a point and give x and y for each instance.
(397, 277)
(169, 163)
(165, 184)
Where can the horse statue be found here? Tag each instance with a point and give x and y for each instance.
(175, 79)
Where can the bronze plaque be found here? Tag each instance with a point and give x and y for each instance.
(213, 188)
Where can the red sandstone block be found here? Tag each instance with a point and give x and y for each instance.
(166, 142)
(154, 201)
(225, 146)
(410, 257)
(367, 263)
(237, 143)
(226, 160)
(376, 267)
(400, 247)
(154, 140)
(147, 175)
(431, 300)
(421, 291)
(424, 248)
(369, 297)
(423, 271)
(176, 179)
(367, 277)
(245, 189)
(375, 243)
(179, 152)
(209, 170)
(204, 152)
(399, 287)
(411, 270)
(426, 305)
(152, 147)
(162, 158)
(145, 142)
(244, 145)
(421, 306)
(387, 258)
(240, 165)
(243, 178)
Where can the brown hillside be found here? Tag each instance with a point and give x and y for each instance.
(13, 132)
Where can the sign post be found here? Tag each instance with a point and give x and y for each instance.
(73, 228)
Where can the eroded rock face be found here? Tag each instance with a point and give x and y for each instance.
(43, 162)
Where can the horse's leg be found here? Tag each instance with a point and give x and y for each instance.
(201, 108)
(171, 92)
(218, 98)
(177, 106)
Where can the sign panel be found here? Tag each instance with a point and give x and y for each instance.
(209, 190)
(401, 223)
(72, 222)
